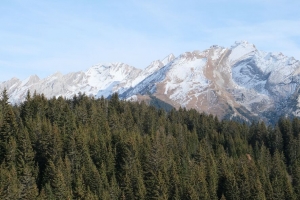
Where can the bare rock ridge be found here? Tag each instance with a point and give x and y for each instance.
(237, 82)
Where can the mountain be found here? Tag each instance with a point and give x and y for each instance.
(97, 81)
(238, 82)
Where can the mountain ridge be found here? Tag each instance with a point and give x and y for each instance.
(240, 80)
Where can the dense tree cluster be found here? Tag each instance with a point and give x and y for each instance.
(86, 148)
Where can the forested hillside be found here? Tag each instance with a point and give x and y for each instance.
(86, 148)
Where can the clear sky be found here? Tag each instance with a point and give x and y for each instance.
(42, 37)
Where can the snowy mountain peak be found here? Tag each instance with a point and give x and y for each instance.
(190, 55)
(168, 59)
(241, 50)
(57, 74)
(216, 47)
(109, 66)
(241, 43)
(155, 65)
(30, 80)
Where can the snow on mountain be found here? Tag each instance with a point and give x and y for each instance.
(175, 80)
(96, 81)
(142, 74)
(99, 80)
(239, 81)
(168, 59)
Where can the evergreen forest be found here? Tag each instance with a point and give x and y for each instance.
(88, 148)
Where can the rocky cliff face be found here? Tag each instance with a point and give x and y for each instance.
(236, 82)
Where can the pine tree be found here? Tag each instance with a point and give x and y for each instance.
(287, 136)
(56, 182)
(114, 190)
(296, 178)
(275, 140)
(79, 187)
(212, 177)
(25, 167)
(281, 186)
(9, 184)
(231, 186)
(8, 131)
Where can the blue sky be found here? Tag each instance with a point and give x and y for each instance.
(42, 37)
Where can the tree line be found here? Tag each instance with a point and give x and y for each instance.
(87, 148)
